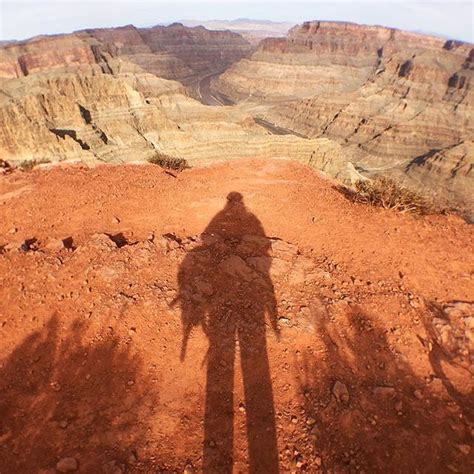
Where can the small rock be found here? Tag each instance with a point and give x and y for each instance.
(63, 424)
(132, 458)
(130, 383)
(318, 461)
(464, 448)
(384, 391)
(283, 320)
(294, 420)
(115, 220)
(112, 467)
(13, 230)
(189, 469)
(418, 394)
(398, 406)
(67, 465)
(340, 392)
(299, 461)
(56, 386)
(55, 245)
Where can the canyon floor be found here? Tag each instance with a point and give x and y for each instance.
(239, 317)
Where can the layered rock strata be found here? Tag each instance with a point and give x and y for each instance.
(172, 52)
(389, 96)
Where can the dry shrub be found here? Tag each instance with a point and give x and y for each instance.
(169, 162)
(386, 193)
(5, 167)
(28, 165)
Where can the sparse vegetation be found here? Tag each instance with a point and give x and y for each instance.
(385, 192)
(5, 167)
(169, 162)
(28, 165)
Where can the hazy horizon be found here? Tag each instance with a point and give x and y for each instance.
(22, 19)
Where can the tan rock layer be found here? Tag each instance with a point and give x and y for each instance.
(389, 96)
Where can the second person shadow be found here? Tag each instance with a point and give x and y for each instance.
(225, 288)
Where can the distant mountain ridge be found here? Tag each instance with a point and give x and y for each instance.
(252, 30)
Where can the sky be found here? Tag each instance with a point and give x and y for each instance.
(20, 19)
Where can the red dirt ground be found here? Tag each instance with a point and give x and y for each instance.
(150, 324)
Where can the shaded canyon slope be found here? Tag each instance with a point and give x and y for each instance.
(172, 52)
(400, 103)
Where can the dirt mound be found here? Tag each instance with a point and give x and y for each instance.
(244, 316)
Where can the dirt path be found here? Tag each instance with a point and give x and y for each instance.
(241, 316)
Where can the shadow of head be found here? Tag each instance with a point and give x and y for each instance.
(235, 197)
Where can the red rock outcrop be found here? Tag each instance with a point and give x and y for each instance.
(44, 54)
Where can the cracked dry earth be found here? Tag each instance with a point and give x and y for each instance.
(241, 317)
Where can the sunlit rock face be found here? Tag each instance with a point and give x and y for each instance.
(359, 100)
(389, 96)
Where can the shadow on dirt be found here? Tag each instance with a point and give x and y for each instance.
(64, 396)
(221, 293)
(369, 411)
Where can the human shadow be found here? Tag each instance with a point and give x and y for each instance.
(369, 410)
(63, 395)
(225, 287)
(445, 352)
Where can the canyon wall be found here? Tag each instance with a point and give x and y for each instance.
(131, 117)
(387, 96)
(112, 95)
(172, 52)
(353, 101)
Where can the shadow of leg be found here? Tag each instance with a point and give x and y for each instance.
(261, 429)
(219, 415)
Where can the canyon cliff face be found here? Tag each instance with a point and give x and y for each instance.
(387, 96)
(103, 95)
(353, 101)
(171, 52)
(86, 96)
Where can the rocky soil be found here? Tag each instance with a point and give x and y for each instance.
(160, 323)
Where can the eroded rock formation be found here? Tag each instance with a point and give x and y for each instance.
(388, 96)
(172, 52)
(102, 95)
(351, 100)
